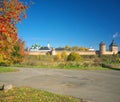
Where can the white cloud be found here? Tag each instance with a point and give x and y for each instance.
(116, 35)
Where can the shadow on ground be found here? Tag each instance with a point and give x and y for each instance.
(110, 67)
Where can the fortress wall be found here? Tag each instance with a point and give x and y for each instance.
(80, 52)
(108, 53)
(101, 51)
(87, 53)
(68, 52)
(36, 53)
(59, 52)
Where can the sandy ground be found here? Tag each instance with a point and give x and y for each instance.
(97, 86)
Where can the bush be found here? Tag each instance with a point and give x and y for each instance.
(58, 57)
(73, 56)
(64, 55)
(110, 58)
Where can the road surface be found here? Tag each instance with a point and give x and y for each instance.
(96, 86)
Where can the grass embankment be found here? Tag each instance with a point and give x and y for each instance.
(8, 69)
(92, 62)
(112, 66)
(23, 94)
(44, 61)
(62, 65)
(68, 67)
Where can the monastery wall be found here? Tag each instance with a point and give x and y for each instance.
(80, 52)
(87, 53)
(108, 53)
(68, 52)
(36, 53)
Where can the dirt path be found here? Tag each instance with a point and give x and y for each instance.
(97, 86)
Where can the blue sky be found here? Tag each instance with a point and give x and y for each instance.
(71, 22)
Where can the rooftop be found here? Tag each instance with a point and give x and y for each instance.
(113, 43)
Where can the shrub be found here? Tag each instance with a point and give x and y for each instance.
(110, 58)
(58, 57)
(73, 56)
(48, 53)
(64, 55)
(38, 57)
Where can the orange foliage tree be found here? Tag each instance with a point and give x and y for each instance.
(11, 12)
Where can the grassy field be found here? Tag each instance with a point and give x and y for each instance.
(67, 67)
(72, 67)
(87, 63)
(44, 61)
(8, 69)
(62, 66)
(24, 94)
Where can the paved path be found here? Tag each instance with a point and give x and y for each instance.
(97, 86)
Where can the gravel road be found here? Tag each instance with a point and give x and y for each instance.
(96, 86)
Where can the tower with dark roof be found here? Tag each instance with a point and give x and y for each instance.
(113, 47)
(102, 48)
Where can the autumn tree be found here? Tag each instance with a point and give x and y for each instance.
(83, 49)
(74, 56)
(11, 12)
(75, 48)
(67, 47)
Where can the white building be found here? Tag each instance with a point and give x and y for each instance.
(91, 49)
(36, 48)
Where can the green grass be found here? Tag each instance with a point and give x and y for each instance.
(72, 67)
(84, 68)
(8, 69)
(24, 94)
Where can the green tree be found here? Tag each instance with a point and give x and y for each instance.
(18, 53)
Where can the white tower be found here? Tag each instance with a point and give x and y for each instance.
(48, 45)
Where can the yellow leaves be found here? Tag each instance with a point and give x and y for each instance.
(58, 57)
(1, 9)
(64, 54)
(23, 94)
(1, 58)
(11, 13)
(9, 39)
(74, 56)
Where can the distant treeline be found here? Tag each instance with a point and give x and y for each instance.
(73, 48)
